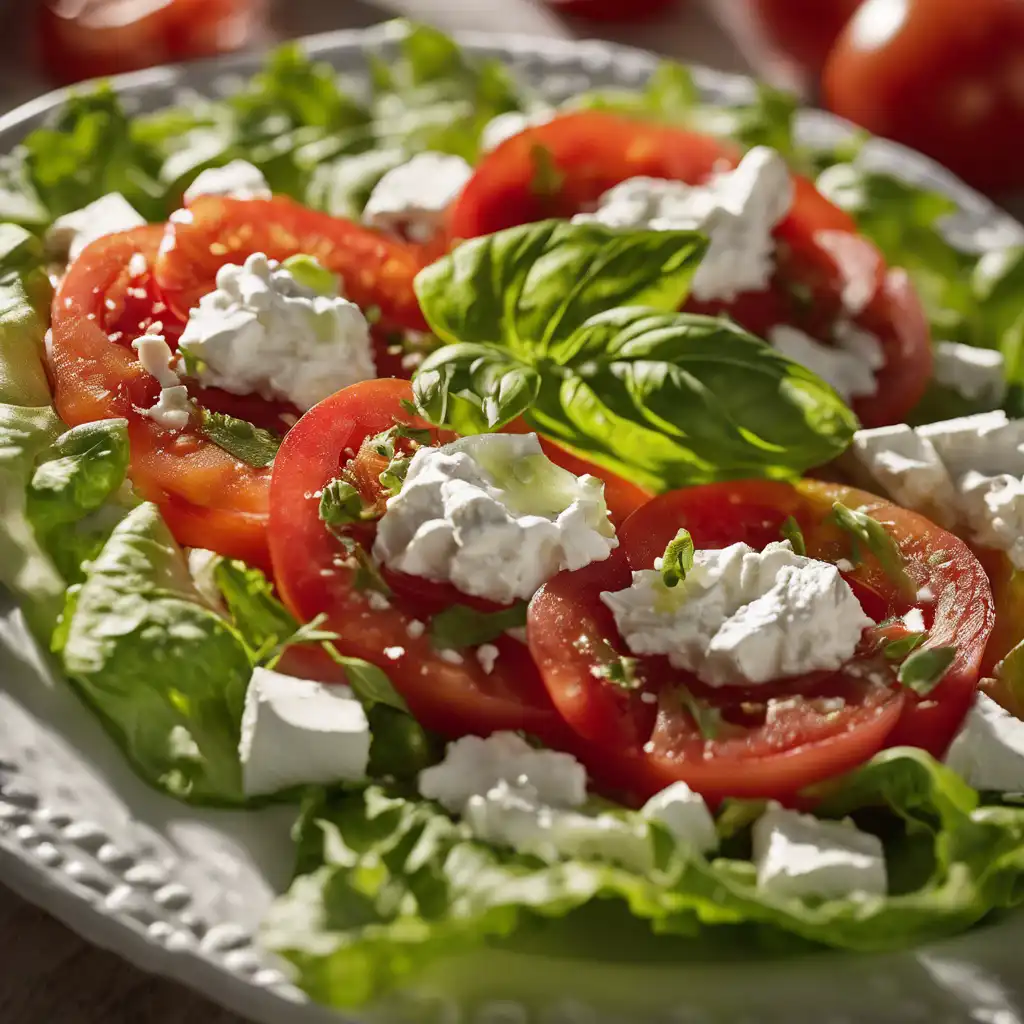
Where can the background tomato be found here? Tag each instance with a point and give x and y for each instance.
(802, 30)
(943, 76)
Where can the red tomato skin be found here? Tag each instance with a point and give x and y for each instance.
(567, 624)
(452, 699)
(209, 498)
(940, 76)
(802, 30)
(376, 270)
(593, 151)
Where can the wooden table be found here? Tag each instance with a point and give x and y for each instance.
(47, 974)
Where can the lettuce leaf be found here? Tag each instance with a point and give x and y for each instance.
(387, 882)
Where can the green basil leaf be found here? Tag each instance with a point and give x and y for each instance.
(340, 504)
(473, 389)
(460, 626)
(678, 558)
(876, 538)
(708, 719)
(20, 251)
(768, 119)
(369, 683)
(673, 399)
(791, 531)
(923, 670)
(262, 622)
(898, 650)
(530, 287)
(248, 443)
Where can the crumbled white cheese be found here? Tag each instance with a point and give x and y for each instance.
(173, 407)
(908, 468)
(511, 123)
(979, 374)
(137, 265)
(743, 616)
(685, 814)
(799, 856)
(410, 200)
(993, 508)
(72, 232)
(737, 210)
(473, 766)
(849, 368)
(494, 516)
(295, 732)
(988, 443)
(238, 179)
(988, 752)
(262, 332)
(487, 656)
(914, 620)
(858, 262)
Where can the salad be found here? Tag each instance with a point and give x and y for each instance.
(618, 505)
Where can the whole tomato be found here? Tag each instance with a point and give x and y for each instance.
(943, 76)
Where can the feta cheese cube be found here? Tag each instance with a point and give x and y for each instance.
(737, 210)
(988, 752)
(494, 516)
(238, 179)
(993, 507)
(846, 369)
(473, 767)
(72, 232)
(976, 373)
(743, 616)
(685, 814)
(798, 857)
(907, 467)
(295, 731)
(988, 443)
(410, 200)
(263, 332)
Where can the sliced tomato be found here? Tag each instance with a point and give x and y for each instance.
(825, 272)
(651, 739)
(376, 270)
(209, 498)
(314, 577)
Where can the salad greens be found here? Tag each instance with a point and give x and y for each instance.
(544, 321)
(387, 882)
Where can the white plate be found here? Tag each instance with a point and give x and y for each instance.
(179, 891)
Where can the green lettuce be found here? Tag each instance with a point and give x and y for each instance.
(387, 882)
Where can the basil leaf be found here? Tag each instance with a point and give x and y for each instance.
(369, 683)
(898, 650)
(340, 504)
(678, 558)
(248, 443)
(923, 670)
(768, 119)
(530, 287)
(674, 399)
(874, 536)
(20, 251)
(708, 719)
(460, 626)
(261, 620)
(791, 531)
(473, 388)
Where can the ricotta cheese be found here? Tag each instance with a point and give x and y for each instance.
(988, 752)
(410, 200)
(295, 732)
(737, 210)
(979, 374)
(263, 332)
(238, 179)
(494, 516)
(173, 407)
(685, 814)
(473, 766)
(849, 365)
(108, 215)
(743, 616)
(798, 856)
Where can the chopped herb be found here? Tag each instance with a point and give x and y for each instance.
(708, 719)
(369, 683)
(621, 671)
(874, 536)
(547, 178)
(309, 633)
(678, 558)
(340, 504)
(384, 443)
(394, 476)
(312, 274)
(248, 443)
(923, 670)
(897, 650)
(367, 575)
(791, 531)
(459, 626)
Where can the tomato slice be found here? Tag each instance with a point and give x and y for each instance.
(313, 579)
(376, 270)
(648, 736)
(821, 261)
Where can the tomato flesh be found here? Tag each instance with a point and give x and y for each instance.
(761, 750)
(825, 275)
